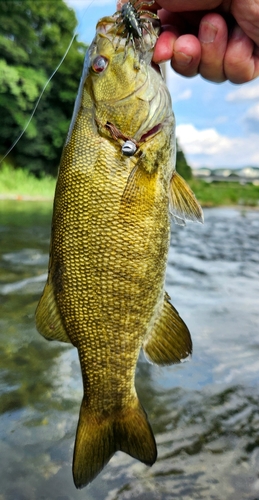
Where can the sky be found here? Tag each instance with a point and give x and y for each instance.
(217, 124)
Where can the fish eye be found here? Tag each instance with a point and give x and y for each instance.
(99, 64)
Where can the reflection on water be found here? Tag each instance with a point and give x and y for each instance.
(205, 413)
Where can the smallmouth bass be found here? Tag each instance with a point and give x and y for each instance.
(110, 237)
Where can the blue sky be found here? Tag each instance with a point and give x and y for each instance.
(217, 124)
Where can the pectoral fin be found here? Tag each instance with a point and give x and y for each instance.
(48, 321)
(139, 189)
(170, 340)
(183, 204)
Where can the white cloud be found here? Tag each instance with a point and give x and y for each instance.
(244, 94)
(207, 141)
(206, 147)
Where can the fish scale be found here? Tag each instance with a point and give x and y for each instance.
(119, 280)
(109, 244)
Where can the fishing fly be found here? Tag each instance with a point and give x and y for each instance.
(134, 21)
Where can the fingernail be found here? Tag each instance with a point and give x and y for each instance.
(207, 32)
(182, 59)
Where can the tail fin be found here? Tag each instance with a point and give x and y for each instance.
(99, 437)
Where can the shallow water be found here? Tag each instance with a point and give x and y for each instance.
(204, 413)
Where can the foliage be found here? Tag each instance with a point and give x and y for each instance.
(34, 36)
(21, 183)
(225, 193)
(182, 166)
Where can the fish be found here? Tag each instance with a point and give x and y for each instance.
(117, 191)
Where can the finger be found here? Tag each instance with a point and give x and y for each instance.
(164, 47)
(242, 58)
(187, 55)
(184, 51)
(189, 5)
(213, 37)
(246, 14)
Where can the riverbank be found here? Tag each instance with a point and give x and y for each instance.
(216, 194)
(21, 185)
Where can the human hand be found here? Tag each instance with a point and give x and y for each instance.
(217, 38)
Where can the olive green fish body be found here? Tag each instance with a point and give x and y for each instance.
(106, 271)
(110, 238)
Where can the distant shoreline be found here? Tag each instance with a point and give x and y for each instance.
(48, 199)
(209, 194)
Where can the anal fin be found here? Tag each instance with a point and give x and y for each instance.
(183, 203)
(170, 340)
(48, 320)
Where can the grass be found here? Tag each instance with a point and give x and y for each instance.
(20, 184)
(225, 193)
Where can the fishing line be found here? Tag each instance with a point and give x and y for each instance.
(46, 84)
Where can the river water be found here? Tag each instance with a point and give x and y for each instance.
(204, 413)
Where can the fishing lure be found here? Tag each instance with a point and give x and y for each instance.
(134, 21)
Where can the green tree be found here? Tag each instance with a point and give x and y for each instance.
(182, 166)
(34, 35)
